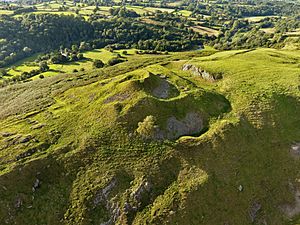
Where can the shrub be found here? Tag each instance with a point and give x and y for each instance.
(43, 66)
(98, 63)
(75, 71)
(80, 56)
(147, 128)
(3, 72)
(114, 61)
(41, 76)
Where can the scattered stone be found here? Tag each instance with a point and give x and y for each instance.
(36, 185)
(102, 198)
(254, 209)
(171, 212)
(18, 203)
(292, 209)
(163, 76)
(29, 152)
(295, 150)
(240, 188)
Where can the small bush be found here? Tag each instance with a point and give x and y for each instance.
(114, 61)
(98, 63)
(147, 128)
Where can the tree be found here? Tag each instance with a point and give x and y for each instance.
(147, 129)
(98, 63)
(3, 72)
(114, 61)
(74, 48)
(43, 66)
(80, 56)
(84, 46)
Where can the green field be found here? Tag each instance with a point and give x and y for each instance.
(6, 12)
(55, 69)
(257, 18)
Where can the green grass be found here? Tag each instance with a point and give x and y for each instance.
(185, 13)
(26, 65)
(83, 127)
(6, 12)
(256, 19)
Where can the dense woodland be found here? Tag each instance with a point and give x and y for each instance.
(31, 33)
(24, 33)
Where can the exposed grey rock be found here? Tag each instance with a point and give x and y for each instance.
(292, 209)
(128, 208)
(191, 124)
(199, 72)
(295, 150)
(102, 198)
(36, 185)
(162, 90)
(18, 202)
(254, 209)
(144, 187)
(102, 194)
(240, 188)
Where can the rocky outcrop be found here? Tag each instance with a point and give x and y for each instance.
(39, 148)
(254, 210)
(291, 210)
(143, 189)
(201, 72)
(191, 124)
(102, 197)
(162, 90)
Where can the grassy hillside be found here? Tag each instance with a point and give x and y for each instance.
(221, 151)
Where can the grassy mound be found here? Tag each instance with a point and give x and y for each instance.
(70, 153)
